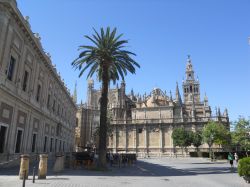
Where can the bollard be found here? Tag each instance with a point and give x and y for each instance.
(33, 181)
(24, 166)
(24, 178)
(59, 163)
(42, 170)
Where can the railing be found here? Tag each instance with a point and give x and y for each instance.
(169, 120)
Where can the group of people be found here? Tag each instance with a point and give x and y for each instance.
(121, 158)
(231, 157)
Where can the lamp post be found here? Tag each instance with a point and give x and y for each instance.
(211, 143)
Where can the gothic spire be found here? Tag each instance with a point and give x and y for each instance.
(90, 83)
(177, 94)
(205, 100)
(219, 113)
(75, 93)
(132, 92)
(225, 114)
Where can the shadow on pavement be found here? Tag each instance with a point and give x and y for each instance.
(58, 178)
(149, 169)
(15, 170)
(142, 168)
(209, 163)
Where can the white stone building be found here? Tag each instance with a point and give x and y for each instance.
(37, 113)
(143, 124)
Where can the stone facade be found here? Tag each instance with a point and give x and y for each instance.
(143, 124)
(37, 113)
(84, 128)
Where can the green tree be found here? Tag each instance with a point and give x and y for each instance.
(108, 59)
(215, 133)
(197, 139)
(182, 138)
(241, 134)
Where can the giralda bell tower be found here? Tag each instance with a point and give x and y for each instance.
(191, 86)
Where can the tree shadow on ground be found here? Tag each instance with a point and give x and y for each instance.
(143, 168)
(210, 163)
(140, 169)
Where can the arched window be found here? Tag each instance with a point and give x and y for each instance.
(191, 89)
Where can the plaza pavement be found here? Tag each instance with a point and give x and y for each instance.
(153, 172)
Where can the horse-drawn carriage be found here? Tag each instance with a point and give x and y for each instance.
(84, 158)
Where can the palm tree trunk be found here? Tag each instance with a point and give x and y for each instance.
(103, 119)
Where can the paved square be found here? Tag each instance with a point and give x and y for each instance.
(183, 172)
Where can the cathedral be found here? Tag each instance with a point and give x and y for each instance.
(143, 124)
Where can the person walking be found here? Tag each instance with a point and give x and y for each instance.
(236, 157)
(111, 159)
(230, 157)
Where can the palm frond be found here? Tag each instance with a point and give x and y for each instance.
(107, 49)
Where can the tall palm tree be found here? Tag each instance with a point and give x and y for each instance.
(108, 59)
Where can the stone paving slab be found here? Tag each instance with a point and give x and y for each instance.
(186, 172)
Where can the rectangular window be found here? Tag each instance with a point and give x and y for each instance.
(77, 122)
(58, 109)
(11, 67)
(38, 92)
(63, 146)
(18, 141)
(3, 131)
(56, 145)
(25, 80)
(51, 145)
(48, 101)
(140, 130)
(33, 148)
(60, 146)
(45, 144)
(54, 105)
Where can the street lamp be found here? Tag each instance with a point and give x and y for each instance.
(211, 143)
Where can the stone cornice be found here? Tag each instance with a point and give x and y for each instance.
(22, 23)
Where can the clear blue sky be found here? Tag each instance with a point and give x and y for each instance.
(162, 33)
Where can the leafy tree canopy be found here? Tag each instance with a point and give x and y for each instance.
(181, 137)
(215, 132)
(197, 138)
(241, 133)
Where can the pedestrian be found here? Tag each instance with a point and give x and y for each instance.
(230, 157)
(96, 159)
(111, 159)
(236, 157)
